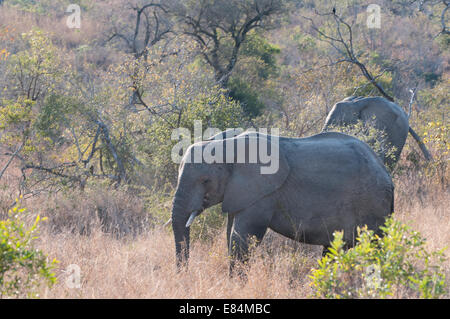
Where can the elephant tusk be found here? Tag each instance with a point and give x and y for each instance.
(168, 222)
(191, 218)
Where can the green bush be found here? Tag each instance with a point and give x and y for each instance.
(394, 265)
(214, 110)
(208, 224)
(257, 46)
(23, 269)
(247, 95)
(368, 133)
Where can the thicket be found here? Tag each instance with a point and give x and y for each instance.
(395, 264)
(23, 268)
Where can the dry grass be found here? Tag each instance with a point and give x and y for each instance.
(110, 211)
(142, 265)
(144, 268)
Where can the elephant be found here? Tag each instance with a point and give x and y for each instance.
(388, 117)
(323, 183)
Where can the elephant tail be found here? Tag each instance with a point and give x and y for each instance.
(392, 200)
(422, 146)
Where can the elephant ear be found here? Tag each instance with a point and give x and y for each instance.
(247, 184)
(381, 109)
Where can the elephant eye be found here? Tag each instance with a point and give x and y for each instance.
(206, 181)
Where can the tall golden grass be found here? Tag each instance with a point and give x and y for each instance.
(144, 266)
(118, 263)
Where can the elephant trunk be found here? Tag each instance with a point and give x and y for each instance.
(180, 216)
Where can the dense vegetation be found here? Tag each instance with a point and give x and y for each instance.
(86, 115)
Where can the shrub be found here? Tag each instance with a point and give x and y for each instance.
(247, 95)
(23, 269)
(208, 224)
(214, 109)
(396, 264)
(368, 133)
(437, 136)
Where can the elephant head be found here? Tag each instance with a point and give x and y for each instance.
(202, 184)
(343, 113)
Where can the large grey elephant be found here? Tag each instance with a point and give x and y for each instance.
(387, 117)
(326, 182)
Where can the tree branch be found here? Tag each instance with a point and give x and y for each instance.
(11, 159)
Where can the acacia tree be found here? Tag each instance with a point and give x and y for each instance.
(220, 27)
(435, 9)
(342, 39)
(174, 92)
(61, 126)
(145, 24)
(32, 74)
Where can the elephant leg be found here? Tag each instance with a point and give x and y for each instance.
(245, 229)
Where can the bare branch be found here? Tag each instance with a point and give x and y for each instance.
(411, 101)
(445, 30)
(158, 24)
(54, 170)
(348, 52)
(93, 149)
(210, 23)
(112, 149)
(11, 159)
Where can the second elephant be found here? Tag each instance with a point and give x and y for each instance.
(388, 117)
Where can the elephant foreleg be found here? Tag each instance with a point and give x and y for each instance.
(243, 235)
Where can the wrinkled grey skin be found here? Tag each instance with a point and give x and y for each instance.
(389, 117)
(326, 182)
